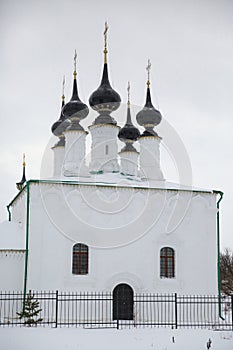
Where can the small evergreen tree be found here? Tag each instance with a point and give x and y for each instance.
(31, 311)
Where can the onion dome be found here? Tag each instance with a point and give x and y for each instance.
(61, 124)
(149, 116)
(105, 99)
(58, 129)
(20, 184)
(129, 133)
(75, 109)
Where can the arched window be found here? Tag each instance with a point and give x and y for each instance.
(167, 262)
(80, 259)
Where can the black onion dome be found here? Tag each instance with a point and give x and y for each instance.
(105, 99)
(129, 131)
(75, 107)
(149, 116)
(60, 125)
(149, 132)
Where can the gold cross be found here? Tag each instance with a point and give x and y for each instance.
(63, 88)
(148, 68)
(75, 63)
(105, 42)
(128, 89)
(24, 163)
(105, 34)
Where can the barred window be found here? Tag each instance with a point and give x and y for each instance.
(80, 259)
(167, 262)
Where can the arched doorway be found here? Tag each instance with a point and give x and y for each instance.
(123, 302)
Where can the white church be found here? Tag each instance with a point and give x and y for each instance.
(112, 223)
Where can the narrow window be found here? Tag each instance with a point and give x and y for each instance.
(80, 259)
(167, 262)
(106, 149)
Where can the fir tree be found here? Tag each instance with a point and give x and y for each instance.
(31, 311)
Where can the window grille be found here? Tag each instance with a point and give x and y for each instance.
(80, 259)
(167, 262)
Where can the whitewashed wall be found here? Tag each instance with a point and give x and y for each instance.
(125, 229)
(11, 270)
(12, 250)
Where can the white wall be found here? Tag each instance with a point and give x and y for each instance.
(104, 148)
(125, 229)
(12, 250)
(11, 270)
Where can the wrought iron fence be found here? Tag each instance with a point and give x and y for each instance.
(95, 310)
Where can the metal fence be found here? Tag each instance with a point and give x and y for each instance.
(95, 310)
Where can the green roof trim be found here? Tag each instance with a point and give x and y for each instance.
(104, 184)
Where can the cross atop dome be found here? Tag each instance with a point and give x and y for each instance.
(128, 93)
(75, 109)
(61, 124)
(149, 116)
(63, 89)
(105, 42)
(148, 68)
(129, 133)
(105, 99)
(75, 63)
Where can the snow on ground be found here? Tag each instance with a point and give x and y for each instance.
(23, 338)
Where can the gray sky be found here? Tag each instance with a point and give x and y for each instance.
(190, 44)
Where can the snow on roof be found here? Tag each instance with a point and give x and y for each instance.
(119, 180)
(11, 236)
(115, 180)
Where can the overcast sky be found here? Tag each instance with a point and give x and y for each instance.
(190, 44)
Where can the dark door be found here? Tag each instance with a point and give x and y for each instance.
(123, 302)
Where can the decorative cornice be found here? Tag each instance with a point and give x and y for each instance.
(150, 137)
(12, 251)
(93, 126)
(129, 152)
(75, 131)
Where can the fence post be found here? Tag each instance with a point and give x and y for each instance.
(232, 311)
(176, 321)
(56, 309)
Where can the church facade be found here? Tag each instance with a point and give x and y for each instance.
(114, 221)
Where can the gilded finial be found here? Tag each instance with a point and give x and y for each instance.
(24, 162)
(148, 68)
(105, 42)
(63, 89)
(75, 64)
(128, 90)
(20, 184)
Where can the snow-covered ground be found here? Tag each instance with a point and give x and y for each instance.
(22, 338)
